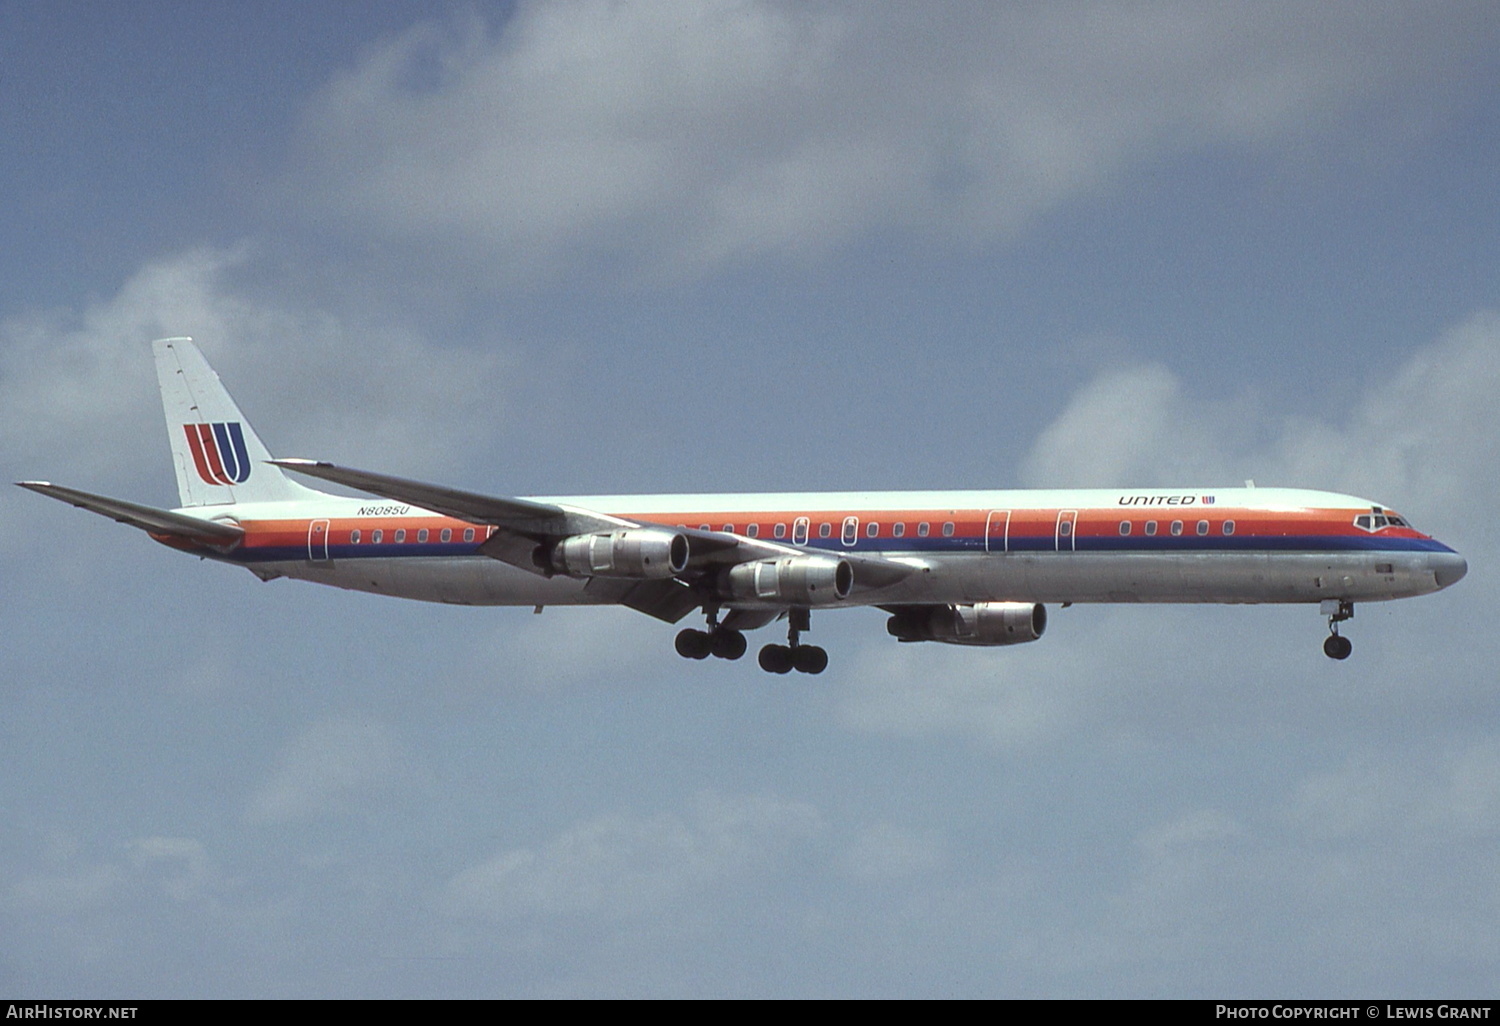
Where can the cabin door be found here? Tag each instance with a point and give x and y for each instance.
(1067, 529)
(317, 540)
(997, 531)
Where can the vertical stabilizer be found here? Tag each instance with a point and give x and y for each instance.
(217, 455)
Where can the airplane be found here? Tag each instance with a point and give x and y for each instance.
(958, 567)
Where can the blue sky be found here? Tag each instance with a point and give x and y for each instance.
(747, 246)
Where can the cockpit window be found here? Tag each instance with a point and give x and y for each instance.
(1375, 520)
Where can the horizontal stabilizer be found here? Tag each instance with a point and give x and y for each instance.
(147, 518)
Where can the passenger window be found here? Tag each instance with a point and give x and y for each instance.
(400, 535)
(447, 534)
(422, 535)
(468, 534)
(1203, 527)
(728, 528)
(704, 527)
(1176, 527)
(799, 531)
(898, 531)
(1150, 527)
(948, 529)
(752, 530)
(825, 530)
(354, 537)
(1229, 527)
(872, 530)
(922, 529)
(851, 530)
(780, 531)
(1124, 527)
(376, 536)
(1065, 528)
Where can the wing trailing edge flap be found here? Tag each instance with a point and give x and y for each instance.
(148, 518)
(669, 600)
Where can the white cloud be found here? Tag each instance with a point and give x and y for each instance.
(1133, 427)
(1427, 440)
(73, 384)
(694, 133)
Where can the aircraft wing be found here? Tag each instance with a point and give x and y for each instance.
(535, 520)
(147, 518)
(523, 524)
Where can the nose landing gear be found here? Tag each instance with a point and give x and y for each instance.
(1337, 610)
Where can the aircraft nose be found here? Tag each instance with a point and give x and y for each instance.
(1447, 567)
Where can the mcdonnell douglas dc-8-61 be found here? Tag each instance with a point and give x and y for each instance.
(961, 567)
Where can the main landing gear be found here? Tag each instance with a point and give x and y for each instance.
(1337, 610)
(794, 655)
(728, 643)
(719, 642)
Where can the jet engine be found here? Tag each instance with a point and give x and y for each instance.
(638, 552)
(983, 623)
(790, 580)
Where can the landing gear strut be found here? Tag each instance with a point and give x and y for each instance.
(794, 655)
(719, 642)
(1337, 610)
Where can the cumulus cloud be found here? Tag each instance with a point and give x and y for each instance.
(1131, 427)
(1425, 439)
(70, 381)
(692, 134)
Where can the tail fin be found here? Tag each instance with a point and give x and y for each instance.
(217, 455)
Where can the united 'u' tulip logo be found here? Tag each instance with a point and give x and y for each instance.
(219, 452)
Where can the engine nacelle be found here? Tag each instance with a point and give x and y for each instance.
(983, 623)
(790, 580)
(638, 552)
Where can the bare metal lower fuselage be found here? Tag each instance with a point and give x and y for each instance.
(1053, 577)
